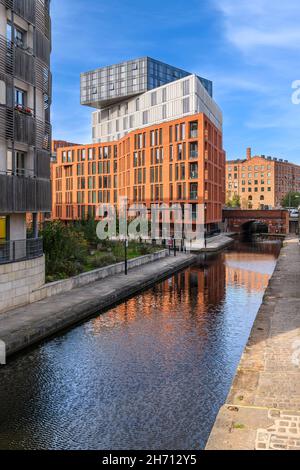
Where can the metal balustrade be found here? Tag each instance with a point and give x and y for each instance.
(24, 193)
(20, 250)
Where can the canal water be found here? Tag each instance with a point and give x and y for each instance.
(150, 373)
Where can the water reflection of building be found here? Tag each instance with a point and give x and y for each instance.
(196, 290)
(242, 269)
(252, 280)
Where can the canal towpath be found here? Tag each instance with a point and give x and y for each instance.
(262, 411)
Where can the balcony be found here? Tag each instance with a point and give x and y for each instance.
(20, 250)
(23, 8)
(24, 126)
(20, 193)
(24, 64)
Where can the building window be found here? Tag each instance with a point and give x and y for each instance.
(154, 98)
(185, 87)
(186, 105)
(194, 170)
(145, 117)
(179, 152)
(193, 134)
(194, 150)
(194, 191)
(19, 37)
(20, 97)
(20, 163)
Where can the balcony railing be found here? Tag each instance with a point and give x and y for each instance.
(25, 127)
(24, 65)
(24, 194)
(20, 250)
(194, 195)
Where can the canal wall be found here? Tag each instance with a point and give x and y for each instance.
(262, 410)
(59, 287)
(26, 326)
(19, 280)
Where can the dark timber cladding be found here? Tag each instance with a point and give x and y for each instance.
(26, 190)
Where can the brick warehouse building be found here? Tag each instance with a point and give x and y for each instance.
(261, 182)
(157, 136)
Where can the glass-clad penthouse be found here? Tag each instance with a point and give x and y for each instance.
(108, 85)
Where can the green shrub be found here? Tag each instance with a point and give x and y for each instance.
(65, 250)
(101, 260)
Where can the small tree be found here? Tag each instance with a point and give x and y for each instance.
(291, 199)
(234, 202)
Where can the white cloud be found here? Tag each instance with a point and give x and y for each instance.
(261, 23)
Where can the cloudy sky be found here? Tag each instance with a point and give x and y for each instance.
(250, 50)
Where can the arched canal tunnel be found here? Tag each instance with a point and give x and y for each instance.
(252, 227)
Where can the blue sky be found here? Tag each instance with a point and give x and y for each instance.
(250, 49)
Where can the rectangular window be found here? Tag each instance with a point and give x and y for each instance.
(194, 170)
(154, 98)
(185, 87)
(19, 37)
(145, 118)
(194, 150)
(194, 191)
(186, 105)
(179, 152)
(20, 97)
(193, 130)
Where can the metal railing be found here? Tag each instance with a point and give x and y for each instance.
(20, 250)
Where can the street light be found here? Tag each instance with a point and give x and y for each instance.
(126, 260)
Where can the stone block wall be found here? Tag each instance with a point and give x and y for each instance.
(19, 280)
(58, 287)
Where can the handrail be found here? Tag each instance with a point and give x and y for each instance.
(20, 250)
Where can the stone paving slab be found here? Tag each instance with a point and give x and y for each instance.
(267, 382)
(237, 428)
(27, 325)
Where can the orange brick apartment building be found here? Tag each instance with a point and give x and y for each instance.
(261, 182)
(180, 161)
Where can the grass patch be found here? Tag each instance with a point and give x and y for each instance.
(238, 426)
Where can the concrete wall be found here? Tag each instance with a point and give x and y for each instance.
(18, 281)
(59, 287)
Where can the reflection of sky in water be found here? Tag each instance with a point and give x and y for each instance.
(148, 374)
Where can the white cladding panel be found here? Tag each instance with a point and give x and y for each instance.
(186, 96)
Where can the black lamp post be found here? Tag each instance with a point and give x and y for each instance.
(126, 260)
